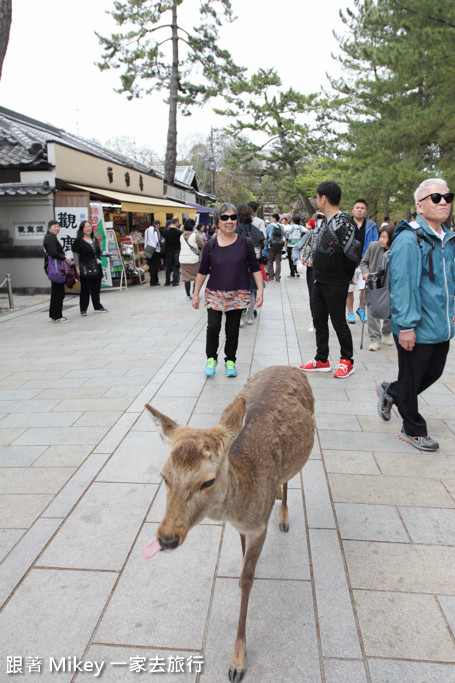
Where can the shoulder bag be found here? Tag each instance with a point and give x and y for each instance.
(54, 271)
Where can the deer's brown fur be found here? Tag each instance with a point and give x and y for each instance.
(233, 470)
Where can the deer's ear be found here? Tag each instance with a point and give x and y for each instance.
(165, 425)
(233, 416)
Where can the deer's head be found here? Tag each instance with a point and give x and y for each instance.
(195, 473)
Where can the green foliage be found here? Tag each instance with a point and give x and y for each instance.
(394, 104)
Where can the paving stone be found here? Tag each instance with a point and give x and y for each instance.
(67, 629)
(152, 592)
(399, 625)
(40, 419)
(72, 392)
(92, 404)
(19, 456)
(389, 490)
(344, 671)
(337, 626)
(317, 500)
(427, 525)
(360, 441)
(75, 487)
(8, 538)
(401, 567)
(110, 516)
(390, 671)
(100, 418)
(350, 462)
(447, 603)
(139, 458)
(62, 456)
(275, 652)
(38, 480)
(20, 511)
(347, 408)
(7, 436)
(117, 433)
(47, 436)
(333, 421)
(429, 466)
(21, 558)
(370, 523)
(284, 555)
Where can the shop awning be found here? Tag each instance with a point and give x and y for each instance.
(137, 202)
(201, 209)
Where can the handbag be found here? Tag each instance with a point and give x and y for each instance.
(54, 271)
(90, 270)
(149, 251)
(306, 255)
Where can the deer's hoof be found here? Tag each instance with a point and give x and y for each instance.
(236, 675)
(284, 526)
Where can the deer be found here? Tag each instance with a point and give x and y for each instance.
(234, 471)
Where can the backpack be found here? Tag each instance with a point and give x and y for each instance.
(276, 238)
(379, 282)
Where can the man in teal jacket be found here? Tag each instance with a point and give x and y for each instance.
(422, 283)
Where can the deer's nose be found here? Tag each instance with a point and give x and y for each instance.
(168, 543)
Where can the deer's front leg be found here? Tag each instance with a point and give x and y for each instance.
(253, 550)
(284, 514)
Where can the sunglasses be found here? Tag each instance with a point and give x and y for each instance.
(437, 196)
(225, 217)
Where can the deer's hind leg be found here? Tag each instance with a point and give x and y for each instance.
(253, 549)
(284, 514)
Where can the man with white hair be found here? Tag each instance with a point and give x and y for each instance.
(421, 271)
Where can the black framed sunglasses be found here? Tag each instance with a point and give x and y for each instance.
(225, 217)
(437, 196)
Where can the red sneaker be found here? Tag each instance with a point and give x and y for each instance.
(344, 368)
(313, 365)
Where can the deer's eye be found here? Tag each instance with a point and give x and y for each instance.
(207, 484)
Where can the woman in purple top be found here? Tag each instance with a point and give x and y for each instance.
(227, 259)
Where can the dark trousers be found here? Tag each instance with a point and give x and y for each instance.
(188, 288)
(90, 287)
(292, 267)
(231, 329)
(330, 300)
(274, 256)
(172, 265)
(56, 302)
(309, 282)
(417, 370)
(153, 268)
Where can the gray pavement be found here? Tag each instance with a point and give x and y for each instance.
(361, 589)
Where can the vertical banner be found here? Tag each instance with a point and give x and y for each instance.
(68, 218)
(97, 221)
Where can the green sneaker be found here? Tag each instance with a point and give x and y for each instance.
(230, 369)
(210, 367)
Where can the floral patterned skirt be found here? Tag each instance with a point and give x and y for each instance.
(227, 301)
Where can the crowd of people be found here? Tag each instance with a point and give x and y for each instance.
(339, 252)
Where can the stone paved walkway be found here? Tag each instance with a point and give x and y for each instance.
(361, 589)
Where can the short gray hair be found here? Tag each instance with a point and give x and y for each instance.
(426, 184)
(222, 208)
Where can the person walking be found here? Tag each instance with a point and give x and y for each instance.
(87, 257)
(246, 227)
(227, 259)
(366, 232)
(152, 244)
(335, 257)
(422, 281)
(293, 235)
(53, 249)
(172, 247)
(369, 264)
(275, 244)
(191, 246)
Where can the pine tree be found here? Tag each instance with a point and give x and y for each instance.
(194, 70)
(5, 25)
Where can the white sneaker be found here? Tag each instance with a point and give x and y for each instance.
(311, 328)
(241, 323)
(249, 321)
(61, 320)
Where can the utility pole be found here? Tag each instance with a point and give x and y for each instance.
(212, 163)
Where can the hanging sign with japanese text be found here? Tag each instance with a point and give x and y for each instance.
(69, 218)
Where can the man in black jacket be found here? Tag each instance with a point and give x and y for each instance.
(335, 255)
(172, 247)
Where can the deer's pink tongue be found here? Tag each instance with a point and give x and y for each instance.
(151, 548)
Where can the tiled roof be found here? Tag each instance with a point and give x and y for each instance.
(23, 142)
(23, 189)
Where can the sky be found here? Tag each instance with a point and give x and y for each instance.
(50, 74)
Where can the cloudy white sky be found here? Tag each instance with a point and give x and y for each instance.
(50, 74)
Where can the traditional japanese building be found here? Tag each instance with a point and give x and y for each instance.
(46, 172)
